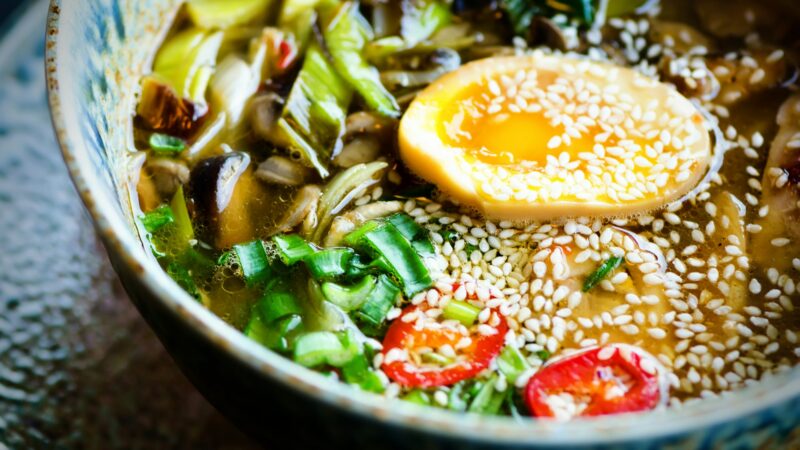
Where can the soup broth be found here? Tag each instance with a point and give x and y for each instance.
(273, 183)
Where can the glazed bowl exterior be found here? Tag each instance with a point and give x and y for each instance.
(96, 52)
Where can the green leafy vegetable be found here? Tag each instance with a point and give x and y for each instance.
(488, 400)
(165, 144)
(186, 62)
(157, 218)
(602, 272)
(313, 120)
(417, 396)
(346, 34)
(226, 13)
(422, 18)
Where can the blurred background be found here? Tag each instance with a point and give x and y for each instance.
(78, 366)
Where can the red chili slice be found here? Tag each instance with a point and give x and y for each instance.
(472, 360)
(286, 54)
(605, 380)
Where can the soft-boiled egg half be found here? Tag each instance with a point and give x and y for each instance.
(542, 136)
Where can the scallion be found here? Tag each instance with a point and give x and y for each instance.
(417, 396)
(157, 218)
(381, 299)
(325, 347)
(511, 363)
(276, 305)
(358, 371)
(292, 248)
(602, 272)
(254, 261)
(165, 144)
(385, 241)
(329, 263)
(349, 298)
(277, 335)
(462, 312)
(413, 232)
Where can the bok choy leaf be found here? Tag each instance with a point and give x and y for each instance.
(186, 62)
(226, 13)
(346, 34)
(313, 120)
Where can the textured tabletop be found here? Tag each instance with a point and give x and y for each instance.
(78, 366)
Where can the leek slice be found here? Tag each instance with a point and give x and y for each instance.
(313, 120)
(186, 62)
(226, 13)
(346, 34)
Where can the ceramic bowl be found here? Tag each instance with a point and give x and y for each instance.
(96, 52)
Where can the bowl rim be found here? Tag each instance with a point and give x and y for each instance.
(119, 239)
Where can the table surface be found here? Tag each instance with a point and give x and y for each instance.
(78, 366)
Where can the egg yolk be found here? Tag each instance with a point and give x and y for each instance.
(539, 136)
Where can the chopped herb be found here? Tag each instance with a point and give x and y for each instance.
(157, 218)
(602, 272)
(544, 355)
(165, 144)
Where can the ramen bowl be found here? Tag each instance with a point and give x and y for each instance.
(97, 51)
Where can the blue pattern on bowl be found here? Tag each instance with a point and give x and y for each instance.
(97, 49)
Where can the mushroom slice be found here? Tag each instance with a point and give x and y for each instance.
(283, 171)
(351, 220)
(168, 174)
(220, 189)
(781, 193)
(265, 111)
(303, 206)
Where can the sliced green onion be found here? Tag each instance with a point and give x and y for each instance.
(186, 62)
(276, 336)
(488, 400)
(602, 272)
(157, 218)
(346, 34)
(436, 358)
(329, 263)
(254, 261)
(414, 233)
(358, 371)
(224, 258)
(544, 355)
(382, 298)
(455, 399)
(355, 237)
(292, 248)
(183, 277)
(326, 347)
(277, 305)
(349, 298)
(165, 144)
(417, 396)
(385, 241)
(462, 312)
(511, 363)
(183, 222)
